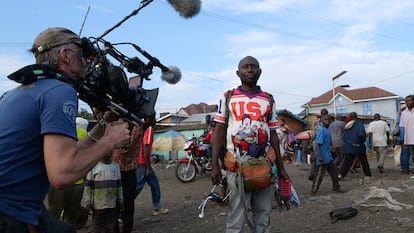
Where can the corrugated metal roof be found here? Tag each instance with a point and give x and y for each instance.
(199, 118)
(199, 108)
(284, 111)
(367, 93)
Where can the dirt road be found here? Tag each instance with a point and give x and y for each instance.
(376, 214)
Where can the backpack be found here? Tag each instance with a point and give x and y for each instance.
(227, 113)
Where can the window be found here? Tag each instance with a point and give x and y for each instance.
(341, 109)
(367, 108)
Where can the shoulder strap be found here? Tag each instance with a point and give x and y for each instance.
(227, 113)
(30, 73)
(226, 119)
(271, 102)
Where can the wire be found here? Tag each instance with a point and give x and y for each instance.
(84, 20)
(16, 44)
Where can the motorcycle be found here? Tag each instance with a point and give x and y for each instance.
(196, 162)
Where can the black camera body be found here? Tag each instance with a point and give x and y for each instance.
(102, 85)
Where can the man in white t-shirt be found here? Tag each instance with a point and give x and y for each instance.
(248, 123)
(407, 122)
(379, 133)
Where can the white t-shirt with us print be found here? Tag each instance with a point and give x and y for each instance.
(248, 131)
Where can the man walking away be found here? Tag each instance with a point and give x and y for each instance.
(354, 146)
(379, 134)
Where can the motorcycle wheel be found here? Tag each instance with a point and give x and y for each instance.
(185, 175)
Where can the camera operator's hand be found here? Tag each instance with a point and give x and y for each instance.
(117, 132)
(107, 116)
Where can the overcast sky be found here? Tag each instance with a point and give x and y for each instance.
(300, 44)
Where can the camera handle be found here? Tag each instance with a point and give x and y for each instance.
(124, 113)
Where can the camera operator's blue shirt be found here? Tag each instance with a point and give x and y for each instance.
(27, 114)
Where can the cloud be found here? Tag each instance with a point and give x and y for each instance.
(371, 10)
(247, 6)
(301, 68)
(299, 71)
(99, 8)
(301, 45)
(10, 63)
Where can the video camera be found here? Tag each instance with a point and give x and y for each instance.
(104, 85)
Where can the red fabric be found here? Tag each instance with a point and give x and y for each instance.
(126, 158)
(209, 137)
(148, 139)
(262, 136)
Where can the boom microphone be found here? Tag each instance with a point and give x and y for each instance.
(186, 8)
(171, 74)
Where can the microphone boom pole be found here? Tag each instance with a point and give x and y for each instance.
(144, 3)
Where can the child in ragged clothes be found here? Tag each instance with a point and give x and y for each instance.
(324, 158)
(101, 195)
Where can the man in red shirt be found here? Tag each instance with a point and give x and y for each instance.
(145, 173)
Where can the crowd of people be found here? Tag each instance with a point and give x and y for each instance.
(346, 144)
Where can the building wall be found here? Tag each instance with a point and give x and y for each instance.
(294, 125)
(182, 112)
(167, 155)
(172, 120)
(311, 119)
(388, 108)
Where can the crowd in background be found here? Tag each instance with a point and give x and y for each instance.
(355, 145)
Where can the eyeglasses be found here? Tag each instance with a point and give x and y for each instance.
(78, 53)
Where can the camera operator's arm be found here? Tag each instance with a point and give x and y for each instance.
(67, 162)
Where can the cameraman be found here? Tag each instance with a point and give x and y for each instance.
(38, 137)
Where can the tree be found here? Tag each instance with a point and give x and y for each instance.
(85, 114)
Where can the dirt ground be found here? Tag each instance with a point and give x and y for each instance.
(380, 214)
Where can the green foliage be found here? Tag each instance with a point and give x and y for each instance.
(85, 114)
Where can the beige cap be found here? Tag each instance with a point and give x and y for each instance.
(53, 37)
